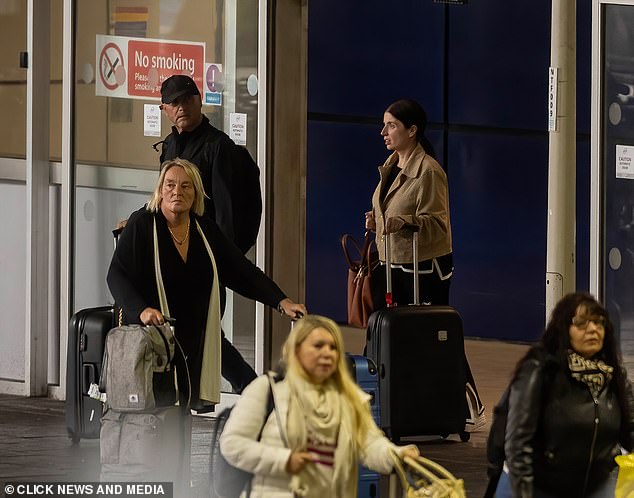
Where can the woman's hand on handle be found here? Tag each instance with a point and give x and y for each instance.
(410, 451)
(370, 222)
(291, 309)
(297, 461)
(151, 316)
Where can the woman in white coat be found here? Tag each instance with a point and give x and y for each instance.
(320, 429)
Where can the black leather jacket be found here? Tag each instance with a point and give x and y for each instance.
(560, 439)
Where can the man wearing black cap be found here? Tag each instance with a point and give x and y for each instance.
(231, 181)
(230, 176)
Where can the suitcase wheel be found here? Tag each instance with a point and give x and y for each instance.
(74, 438)
(464, 436)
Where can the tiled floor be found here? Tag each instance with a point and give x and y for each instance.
(34, 445)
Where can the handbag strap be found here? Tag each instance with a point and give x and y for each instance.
(344, 245)
(438, 475)
(364, 252)
(367, 246)
(159, 276)
(270, 407)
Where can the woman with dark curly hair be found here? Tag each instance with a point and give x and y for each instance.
(570, 408)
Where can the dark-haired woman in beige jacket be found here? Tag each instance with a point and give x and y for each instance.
(413, 191)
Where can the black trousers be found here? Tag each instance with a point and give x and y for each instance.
(432, 289)
(234, 367)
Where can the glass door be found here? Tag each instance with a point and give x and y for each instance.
(30, 90)
(613, 167)
(13, 93)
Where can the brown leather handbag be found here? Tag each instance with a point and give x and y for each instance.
(360, 305)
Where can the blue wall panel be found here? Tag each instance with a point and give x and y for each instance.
(342, 171)
(584, 66)
(499, 53)
(583, 215)
(498, 195)
(365, 54)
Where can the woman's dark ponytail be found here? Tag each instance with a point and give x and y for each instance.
(429, 148)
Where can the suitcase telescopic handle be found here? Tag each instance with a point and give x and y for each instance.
(389, 298)
(388, 271)
(115, 235)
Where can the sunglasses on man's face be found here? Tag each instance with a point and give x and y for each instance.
(178, 101)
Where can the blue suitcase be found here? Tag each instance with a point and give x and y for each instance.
(364, 371)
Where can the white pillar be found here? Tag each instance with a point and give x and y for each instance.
(560, 242)
(66, 197)
(37, 205)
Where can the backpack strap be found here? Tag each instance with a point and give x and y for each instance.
(270, 407)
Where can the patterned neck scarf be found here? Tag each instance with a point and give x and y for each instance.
(593, 373)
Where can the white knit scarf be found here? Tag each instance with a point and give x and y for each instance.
(322, 408)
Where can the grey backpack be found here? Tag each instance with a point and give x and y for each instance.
(138, 368)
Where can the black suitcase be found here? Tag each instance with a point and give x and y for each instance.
(419, 353)
(86, 338)
(87, 331)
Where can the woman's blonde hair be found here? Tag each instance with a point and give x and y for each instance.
(198, 207)
(362, 418)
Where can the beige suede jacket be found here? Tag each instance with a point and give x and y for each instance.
(418, 196)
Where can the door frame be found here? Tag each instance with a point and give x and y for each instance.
(597, 215)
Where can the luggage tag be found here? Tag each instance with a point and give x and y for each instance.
(94, 393)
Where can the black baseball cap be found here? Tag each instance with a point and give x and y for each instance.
(176, 86)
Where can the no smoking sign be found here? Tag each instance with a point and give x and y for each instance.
(135, 68)
(111, 66)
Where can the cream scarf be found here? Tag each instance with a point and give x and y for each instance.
(322, 408)
(210, 371)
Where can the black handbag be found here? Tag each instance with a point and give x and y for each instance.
(227, 481)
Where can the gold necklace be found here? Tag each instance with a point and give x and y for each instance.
(179, 242)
